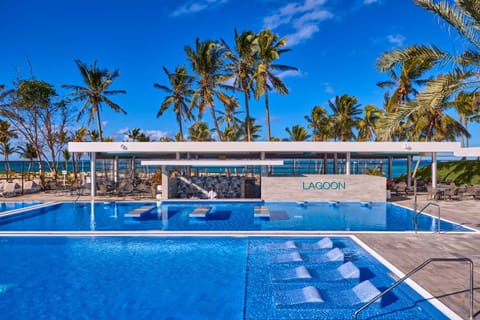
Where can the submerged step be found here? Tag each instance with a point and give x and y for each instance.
(299, 273)
(293, 297)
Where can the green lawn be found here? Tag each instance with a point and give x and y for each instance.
(461, 171)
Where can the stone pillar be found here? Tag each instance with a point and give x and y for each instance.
(434, 170)
(165, 193)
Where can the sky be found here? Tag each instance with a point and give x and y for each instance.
(334, 45)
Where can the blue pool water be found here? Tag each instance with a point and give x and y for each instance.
(6, 206)
(191, 278)
(174, 216)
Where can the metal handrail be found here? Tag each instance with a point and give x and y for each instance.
(416, 213)
(418, 268)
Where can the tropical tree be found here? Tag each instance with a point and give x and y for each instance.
(199, 131)
(94, 135)
(208, 62)
(242, 68)
(406, 69)
(28, 152)
(368, 124)
(7, 149)
(345, 115)
(6, 135)
(95, 92)
(40, 118)
(268, 49)
(320, 123)
(467, 107)
(179, 95)
(464, 17)
(297, 133)
(80, 135)
(133, 134)
(255, 130)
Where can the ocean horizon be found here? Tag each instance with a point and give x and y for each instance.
(399, 167)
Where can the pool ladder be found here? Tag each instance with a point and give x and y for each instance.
(416, 213)
(415, 270)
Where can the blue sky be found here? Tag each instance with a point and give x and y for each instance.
(334, 45)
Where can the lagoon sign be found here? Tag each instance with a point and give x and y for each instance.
(324, 185)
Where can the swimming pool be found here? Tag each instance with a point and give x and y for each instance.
(223, 216)
(7, 206)
(196, 278)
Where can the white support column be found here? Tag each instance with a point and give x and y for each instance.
(409, 170)
(347, 164)
(434, 170)
(115, 170)
(93, 173)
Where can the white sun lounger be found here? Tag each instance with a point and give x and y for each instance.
(200, 212)
(138, 212)
(261, 212)
(9, 189)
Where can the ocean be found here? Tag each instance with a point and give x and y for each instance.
(301, 166)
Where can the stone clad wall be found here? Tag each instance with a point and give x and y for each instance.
(324, 188)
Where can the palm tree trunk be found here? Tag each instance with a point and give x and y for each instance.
(267, 114)
(217, 128)
(247, 116)
(99, 123)
(179, 120)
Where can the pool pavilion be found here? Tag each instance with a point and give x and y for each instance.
(272, 171)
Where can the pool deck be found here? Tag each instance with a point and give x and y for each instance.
(449, 282)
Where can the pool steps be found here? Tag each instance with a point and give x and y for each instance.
(347, 270)
(200, 212)
(139, 212)
(261, 212)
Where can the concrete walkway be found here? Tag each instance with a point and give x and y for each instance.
(447, 281)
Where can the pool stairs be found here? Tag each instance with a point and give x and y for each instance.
(261, 212)
(334, 255)
(139, 212)
(324, 243)
(361, 293)
(200, 212)
(347, 270)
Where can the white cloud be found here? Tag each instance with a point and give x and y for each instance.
(289, 73)
(304, 18)
(328, 88)
(367, 2)
(196, 6)
(396, 39)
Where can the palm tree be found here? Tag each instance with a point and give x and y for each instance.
(406, 69)
(6, 135)
(199, 131)
(320, 122)
(345, 114)
(242, 68)
(95, 92)
(255, 130)
(297, 133)
(464, 17)
(268, 49)
(179, 95)
(467, 107)
(80, 135)
(368, 124)
(134, 134)
(207, 60)
(93, 135)
(28, 152)
(7, 149)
